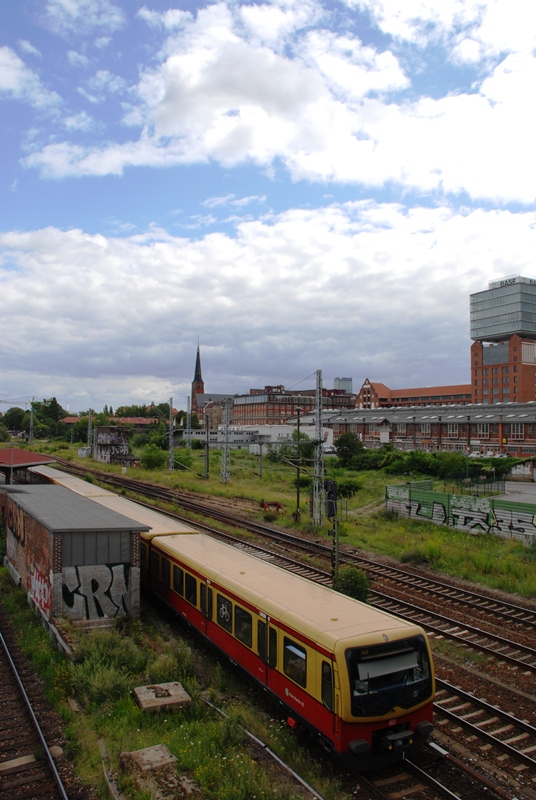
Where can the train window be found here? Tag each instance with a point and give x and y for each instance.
(243, 626)
(272, 648)
(225, 613)
(295, 661)
(155, 565)
(178, 580)
(261, 639)
(143, 554)
(206, 600)
(165, 571)
(191, 589)
(327, 686)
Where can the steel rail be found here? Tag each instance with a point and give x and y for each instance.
(37, 727)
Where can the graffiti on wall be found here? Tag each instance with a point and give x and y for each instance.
(96, 591)
(471, 514)
(40, 590)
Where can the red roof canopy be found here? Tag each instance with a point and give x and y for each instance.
(15, 457)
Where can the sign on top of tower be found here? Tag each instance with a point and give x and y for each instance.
(509, 280)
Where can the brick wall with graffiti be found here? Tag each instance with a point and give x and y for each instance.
(29, 548)
(474, 515)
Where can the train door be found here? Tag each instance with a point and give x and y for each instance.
(267, 649)
(205, 602)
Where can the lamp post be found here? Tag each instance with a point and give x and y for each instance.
(297, 515)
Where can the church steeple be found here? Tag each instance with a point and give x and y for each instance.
(198, 378)
(198, 386)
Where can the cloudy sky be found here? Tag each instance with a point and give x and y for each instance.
(300, 185)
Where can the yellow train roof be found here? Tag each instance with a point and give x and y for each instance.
(160, 524)
(78, 485)
(319, 613)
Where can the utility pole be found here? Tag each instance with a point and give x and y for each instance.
(225, 470)
(90, 433)
(32, 421)
(297, 513)
(171, 451)
(207, 458)
(318, 471)
(188, 424)
(331, 514)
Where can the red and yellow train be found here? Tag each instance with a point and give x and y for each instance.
(361, 678)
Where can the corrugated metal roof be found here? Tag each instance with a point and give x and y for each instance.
(60, 510)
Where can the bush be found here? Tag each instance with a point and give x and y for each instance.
(353, 582)
(153, 457)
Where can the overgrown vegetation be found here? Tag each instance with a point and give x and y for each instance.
(353, 582)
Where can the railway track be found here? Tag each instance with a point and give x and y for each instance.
(493, 645)
(511, 739)
(27, 768)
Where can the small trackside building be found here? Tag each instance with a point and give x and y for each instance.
(74, 557)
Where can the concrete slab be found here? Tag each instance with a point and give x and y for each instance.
(162, 695)
(150, 759)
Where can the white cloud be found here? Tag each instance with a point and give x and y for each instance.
(79, 122)
(170, 19)
(29, 48)
(496, 26)
(387, 287)
(324, 106)
(78, 17)
(77, 59)
(102, 84)
(19, 82)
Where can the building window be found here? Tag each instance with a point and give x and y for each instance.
(476, 372)
(483, 430)
(425, 428)
(484, 381)
(505, 370)
(506, 380)
(518, 430)
(506, 390)
(452, 429)
(495, 391)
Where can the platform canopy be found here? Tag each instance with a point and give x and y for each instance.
(12, 458)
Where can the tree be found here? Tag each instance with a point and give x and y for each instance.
(353, 582)
(348, 445)
(4, 433)
(13, 418)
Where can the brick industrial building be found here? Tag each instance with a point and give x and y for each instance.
(503, 329)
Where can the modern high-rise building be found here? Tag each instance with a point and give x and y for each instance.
(343, 383)
(503, 353)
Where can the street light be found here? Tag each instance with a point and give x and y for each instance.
(297, 515)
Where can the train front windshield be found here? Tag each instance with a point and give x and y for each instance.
(385, 676)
